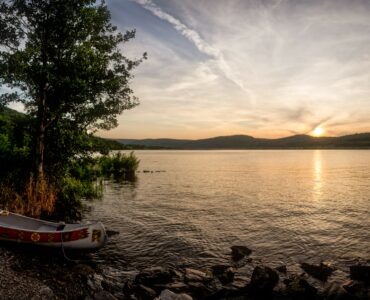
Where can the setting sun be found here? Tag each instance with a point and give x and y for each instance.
(318, 131)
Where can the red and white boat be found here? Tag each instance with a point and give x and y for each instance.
(21, 229)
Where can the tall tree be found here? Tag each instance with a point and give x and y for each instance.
(63, 60)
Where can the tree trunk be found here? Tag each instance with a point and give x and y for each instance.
(41, 110)
(40, 147)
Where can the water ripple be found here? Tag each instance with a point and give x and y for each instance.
(288, 206)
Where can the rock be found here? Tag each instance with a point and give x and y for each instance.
(175, 273)
(120, 296)
(224, 273)
(228, 293)
(198, 290)
(321, 272)
(128, 287)
(110, 285)
(94, 283)
(104, 295)
(239, 252)
(111, 232)
(145, 292)
(360, 273)
(219, 269)
(83, 270)
(177, 287)
(196, 275)
(46, 293)
(263, 280)
(336, 292)
(282, 269)
(169, 295)
(155, 275)
(356, 289)
(299, 288)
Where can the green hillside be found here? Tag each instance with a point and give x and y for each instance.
(12, 123)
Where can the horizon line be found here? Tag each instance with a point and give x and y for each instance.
(233, 135)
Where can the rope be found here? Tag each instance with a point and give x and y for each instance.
(64, 252)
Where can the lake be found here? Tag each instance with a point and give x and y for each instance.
(288, 206)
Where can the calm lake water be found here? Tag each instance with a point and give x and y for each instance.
(289, 206)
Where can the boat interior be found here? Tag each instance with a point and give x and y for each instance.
(10, 220)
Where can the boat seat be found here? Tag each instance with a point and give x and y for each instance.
(47, 228)
(61, 227)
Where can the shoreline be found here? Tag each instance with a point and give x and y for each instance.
(31, 274)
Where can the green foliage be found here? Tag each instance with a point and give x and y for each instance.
(14, 145)
(72, 191)
(119, 165)
(63, 60)
(72, 57)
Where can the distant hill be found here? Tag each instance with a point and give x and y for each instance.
(10, 116)
(8, 113)
(361, 140)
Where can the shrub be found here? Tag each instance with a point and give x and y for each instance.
(119, 165)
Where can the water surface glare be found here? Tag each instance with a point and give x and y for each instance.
(288, 206)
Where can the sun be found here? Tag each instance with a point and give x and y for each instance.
(318, 131)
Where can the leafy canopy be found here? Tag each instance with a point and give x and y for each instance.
(63, 59)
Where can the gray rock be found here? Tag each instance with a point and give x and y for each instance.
(169, 295)
(175, 273)
(120, 296)
(224, 273)
(239, 252)
(199, 290)
(196, 275)
(145, 292)
(336, 292)
(177, 287)
(263, 279)
(155, 275)
(299, 288)
(94, 283)
(321, 271)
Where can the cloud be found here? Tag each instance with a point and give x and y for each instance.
(199, 43)
(303, 63)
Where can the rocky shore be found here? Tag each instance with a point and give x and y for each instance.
(36, 275)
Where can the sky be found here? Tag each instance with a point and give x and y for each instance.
(266, 68)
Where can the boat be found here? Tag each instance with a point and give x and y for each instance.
(21, 229)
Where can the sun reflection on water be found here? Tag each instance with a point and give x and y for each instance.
(317, 169)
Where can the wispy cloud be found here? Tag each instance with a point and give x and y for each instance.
(194, 37)
(303, 64)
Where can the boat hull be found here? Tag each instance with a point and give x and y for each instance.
(13, 228)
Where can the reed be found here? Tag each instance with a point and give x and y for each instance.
(38, 197)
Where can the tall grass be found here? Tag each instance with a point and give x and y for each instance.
(119, 165)
(37, 198)
(60, 196)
